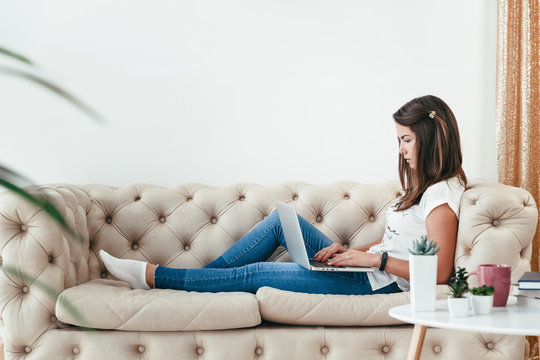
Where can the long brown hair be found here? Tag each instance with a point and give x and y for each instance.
(438, 144)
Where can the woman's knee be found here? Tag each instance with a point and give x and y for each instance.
(273, 219)
(273, 216)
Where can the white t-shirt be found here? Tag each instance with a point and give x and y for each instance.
(402, 227)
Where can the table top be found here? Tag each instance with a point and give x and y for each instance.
(511, 319)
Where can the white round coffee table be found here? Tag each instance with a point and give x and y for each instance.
(509, 320)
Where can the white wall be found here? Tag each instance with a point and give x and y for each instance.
(220, 91)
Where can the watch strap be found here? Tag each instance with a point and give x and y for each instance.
(384, 258)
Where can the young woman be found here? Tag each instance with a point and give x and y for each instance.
(433, 181)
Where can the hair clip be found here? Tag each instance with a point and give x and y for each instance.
(432, 114)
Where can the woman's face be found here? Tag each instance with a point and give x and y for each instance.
(407, 144)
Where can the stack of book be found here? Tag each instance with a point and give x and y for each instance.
(528, 293)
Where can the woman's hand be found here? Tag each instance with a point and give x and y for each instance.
(356, 258)
(329, 251)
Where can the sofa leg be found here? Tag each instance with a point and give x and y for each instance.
(1, 351)
(417, 341)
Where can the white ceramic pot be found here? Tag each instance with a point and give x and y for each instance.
(423, 276)
(458, 307)
(481, 305)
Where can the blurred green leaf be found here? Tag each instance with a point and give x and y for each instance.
(16, 56)
(13, 177)
(54, 88)
(8, 177)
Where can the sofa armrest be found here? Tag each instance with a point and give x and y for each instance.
(39, 260)
(496, 226)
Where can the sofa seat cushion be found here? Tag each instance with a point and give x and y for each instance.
(288, 307)
(110, 304)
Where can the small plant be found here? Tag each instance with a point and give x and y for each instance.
(422, 246)
(483, 290)
(458, 283)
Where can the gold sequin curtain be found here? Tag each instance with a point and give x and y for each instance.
(518, 106)
(518, 100)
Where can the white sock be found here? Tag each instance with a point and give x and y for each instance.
(131, 271)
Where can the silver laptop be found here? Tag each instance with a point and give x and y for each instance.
(296, 246)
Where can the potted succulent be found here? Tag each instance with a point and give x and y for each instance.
(458, 304)
(423, 274)
(482, 299)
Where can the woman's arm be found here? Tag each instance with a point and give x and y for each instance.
(361, 258)
(441, 226)
(367, 246)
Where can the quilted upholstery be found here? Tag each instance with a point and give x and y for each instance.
(190, 225)
(287, 307)
(495, 228)
(110, 304)
(271, 343)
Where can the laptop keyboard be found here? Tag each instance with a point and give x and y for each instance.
(319, 264)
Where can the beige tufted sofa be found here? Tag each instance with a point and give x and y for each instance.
(58, 302)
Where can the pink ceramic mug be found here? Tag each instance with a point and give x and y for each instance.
(498, 276)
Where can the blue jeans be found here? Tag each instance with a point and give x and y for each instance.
(242, 267)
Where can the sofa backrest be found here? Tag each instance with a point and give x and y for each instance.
(190, 225)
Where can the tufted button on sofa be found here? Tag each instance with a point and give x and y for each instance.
(58, 301)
